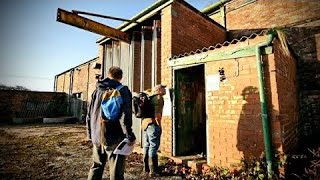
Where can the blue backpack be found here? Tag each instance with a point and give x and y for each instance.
(111, 104)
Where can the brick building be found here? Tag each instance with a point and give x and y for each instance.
(301, 22)
(188, 50)
(79, 82)
(224, 107)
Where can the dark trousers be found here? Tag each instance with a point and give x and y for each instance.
(116, 163)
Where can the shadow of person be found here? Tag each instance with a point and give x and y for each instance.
(249, 132)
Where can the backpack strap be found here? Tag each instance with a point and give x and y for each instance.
(119, 87)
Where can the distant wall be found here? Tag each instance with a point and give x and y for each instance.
(29, 104)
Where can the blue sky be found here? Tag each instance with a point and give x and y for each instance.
(34, 47)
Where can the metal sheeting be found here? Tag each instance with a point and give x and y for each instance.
(116, 53)
(219, 45)
(107, 58)
(139, 58)
(124, 63)
(120, 54)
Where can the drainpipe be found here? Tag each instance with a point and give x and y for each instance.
(264, 108)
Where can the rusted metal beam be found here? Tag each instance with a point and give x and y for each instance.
(99, 15)
(92, 26)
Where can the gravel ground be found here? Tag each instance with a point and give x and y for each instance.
(53, 152)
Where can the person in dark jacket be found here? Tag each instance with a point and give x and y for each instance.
(113, 132)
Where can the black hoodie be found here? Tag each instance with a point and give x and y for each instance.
(115, 131)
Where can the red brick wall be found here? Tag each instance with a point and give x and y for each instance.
(28, 104)
(81, 82)
(92, 79)
(234, 124)
(60, 83)
(180, 34)
(166, 49)
(300, 19)
(67, 81)
(147, 58)
(269, 13)
(234, 120)
(285, 68)
(137, 62)
(191, 31)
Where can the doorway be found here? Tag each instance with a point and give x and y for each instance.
(190, 111)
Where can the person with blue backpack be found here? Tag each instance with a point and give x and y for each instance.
(109, 121)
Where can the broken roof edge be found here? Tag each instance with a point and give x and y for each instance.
(205, 57)
(153, 9)
(203, 53)
(91, 60)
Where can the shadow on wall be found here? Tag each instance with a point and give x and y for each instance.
(304, 43)
(250, 139)
(249, 133)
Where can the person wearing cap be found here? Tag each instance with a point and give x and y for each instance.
(152, 132)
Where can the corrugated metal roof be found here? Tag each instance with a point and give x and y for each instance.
(219, 45)
(91, 60)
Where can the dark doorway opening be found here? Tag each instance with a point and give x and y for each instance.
(190, 111)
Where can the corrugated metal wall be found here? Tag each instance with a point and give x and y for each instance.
(139, 61)
(125, 62)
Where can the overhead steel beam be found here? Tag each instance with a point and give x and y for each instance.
(92, 26)
(99, 15)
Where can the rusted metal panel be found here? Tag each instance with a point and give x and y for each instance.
(92, 26)
(99, 15)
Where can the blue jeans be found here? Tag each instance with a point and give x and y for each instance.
(151, 140)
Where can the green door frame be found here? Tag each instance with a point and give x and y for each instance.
(174, 119)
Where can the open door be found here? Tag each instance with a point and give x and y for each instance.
(190, 111)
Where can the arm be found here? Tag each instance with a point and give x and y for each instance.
(158, 117)
(88, 117)
(158, 110)
(127, 111)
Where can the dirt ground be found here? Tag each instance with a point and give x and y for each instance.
(53, 152)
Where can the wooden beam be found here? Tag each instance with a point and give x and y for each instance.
(92, 26)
